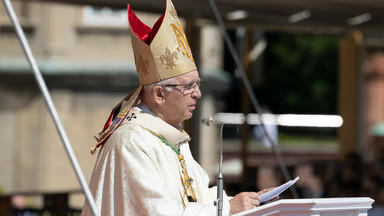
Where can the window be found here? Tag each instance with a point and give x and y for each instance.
(104, 16)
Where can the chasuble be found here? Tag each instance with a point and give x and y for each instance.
(139, 172)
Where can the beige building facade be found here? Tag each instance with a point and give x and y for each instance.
(88, 69)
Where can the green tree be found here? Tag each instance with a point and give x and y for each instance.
(300, 74)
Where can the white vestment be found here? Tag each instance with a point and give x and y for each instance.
(136, 173)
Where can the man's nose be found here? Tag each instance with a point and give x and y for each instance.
(196, 93)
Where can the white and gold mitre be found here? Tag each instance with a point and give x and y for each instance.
(160, 52)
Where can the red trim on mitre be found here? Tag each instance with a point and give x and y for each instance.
(142, 31)
(156, 28)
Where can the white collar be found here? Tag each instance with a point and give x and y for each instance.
(144, 117)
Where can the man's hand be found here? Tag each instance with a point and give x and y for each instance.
(246, 200)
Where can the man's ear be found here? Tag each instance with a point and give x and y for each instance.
(158, 95)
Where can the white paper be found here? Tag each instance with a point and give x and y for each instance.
(273, 193)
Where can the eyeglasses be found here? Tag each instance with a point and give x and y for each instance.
(187, 87)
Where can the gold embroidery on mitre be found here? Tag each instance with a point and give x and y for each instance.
(169, 58)
(182, 40)
(142, 65)
(173, 12)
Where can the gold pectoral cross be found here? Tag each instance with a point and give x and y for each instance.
(187, 181)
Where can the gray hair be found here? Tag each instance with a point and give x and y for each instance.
(147, 89)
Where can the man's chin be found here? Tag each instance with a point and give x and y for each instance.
(189, 115)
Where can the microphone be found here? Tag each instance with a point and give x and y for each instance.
(209, 121)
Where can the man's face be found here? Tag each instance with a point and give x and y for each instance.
(181, 102)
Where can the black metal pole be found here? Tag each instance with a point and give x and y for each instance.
(251, 94)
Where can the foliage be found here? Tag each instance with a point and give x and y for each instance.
(2, 190)
(300, 74)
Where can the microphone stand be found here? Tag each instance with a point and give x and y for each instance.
(220, 181)
(252, 96)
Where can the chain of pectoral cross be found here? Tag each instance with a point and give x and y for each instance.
(187, 181)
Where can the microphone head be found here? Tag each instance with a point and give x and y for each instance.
(209, 121)
(204, 121)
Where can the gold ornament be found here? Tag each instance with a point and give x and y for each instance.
(169, 58)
